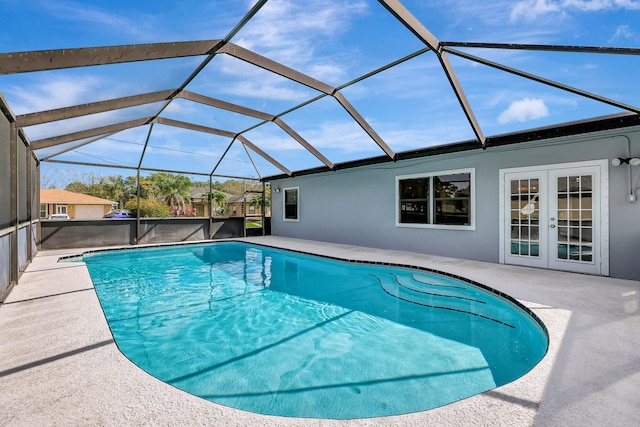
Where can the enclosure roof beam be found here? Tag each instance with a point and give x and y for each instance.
(275, 67)
(264, 155)
(213, 102)
(40, 117)
(548, 47)
(89, 133)
(411, 23)
(194, 127)
(292, 133)
(363, 123)
(462, 98)
(74, 147)
(246, 150)
(69, 162)
(41, 60)
(545, 81)
(420, 31)
(223, 156)
(146, 145)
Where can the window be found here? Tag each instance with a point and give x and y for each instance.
(61, 209)
(290, 201)
(436, 200)
(43, 210)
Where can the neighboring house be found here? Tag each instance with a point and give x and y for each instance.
(197, 201)
(77, 206)
(234, 204)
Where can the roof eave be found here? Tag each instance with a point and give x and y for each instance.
(603, 123)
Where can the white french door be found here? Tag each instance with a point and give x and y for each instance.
(555, 216)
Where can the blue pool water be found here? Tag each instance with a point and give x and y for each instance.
(281, 333)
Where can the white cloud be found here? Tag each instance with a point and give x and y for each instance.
(531, 9)
(51, 93)
(288, 32)
(98, 17)
(624, 32)
(597, 5)
(253, 82)
(345, 136)
(524, 110)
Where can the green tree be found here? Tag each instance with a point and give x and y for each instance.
(233, 186)
(119, 189)
(218, 200)
(147, 189)
(148, 208)
(256, 201)
(175, 190)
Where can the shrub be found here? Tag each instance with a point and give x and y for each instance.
(148, 208)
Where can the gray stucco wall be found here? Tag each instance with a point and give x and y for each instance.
(5, 175)
(5, 265)
(357, 206)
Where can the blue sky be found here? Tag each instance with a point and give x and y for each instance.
(410, 106)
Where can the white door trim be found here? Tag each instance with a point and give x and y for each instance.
(604, 204)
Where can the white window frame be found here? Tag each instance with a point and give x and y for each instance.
(472, 200)
(284, 207)
(61, 209)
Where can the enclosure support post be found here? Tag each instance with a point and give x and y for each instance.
(210, 201)
(13, 197)
(137, 242)
(38, 227)
(29, 198)
(263, 208)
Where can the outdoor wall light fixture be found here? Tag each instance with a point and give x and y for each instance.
(631, 161)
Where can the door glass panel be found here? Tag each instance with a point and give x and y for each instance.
(574, 184)
(562, 251)
(575, 213)
(525, 217)
(562, 184)
(562, 201)
(563, 234)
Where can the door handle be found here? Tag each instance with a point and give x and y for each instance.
(552, 226)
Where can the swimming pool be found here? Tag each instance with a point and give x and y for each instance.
(283, 333)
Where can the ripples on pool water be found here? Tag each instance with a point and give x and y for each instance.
(281, 333)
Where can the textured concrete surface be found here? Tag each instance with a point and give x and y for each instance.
(60, 366)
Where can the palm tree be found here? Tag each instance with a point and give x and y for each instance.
(120, 189)
(175, 190)
(217, 199)
(256, 201)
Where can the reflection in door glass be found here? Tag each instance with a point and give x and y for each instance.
(525, 218)
(575, 213)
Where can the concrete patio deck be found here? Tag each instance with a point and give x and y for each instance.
(59, 364)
